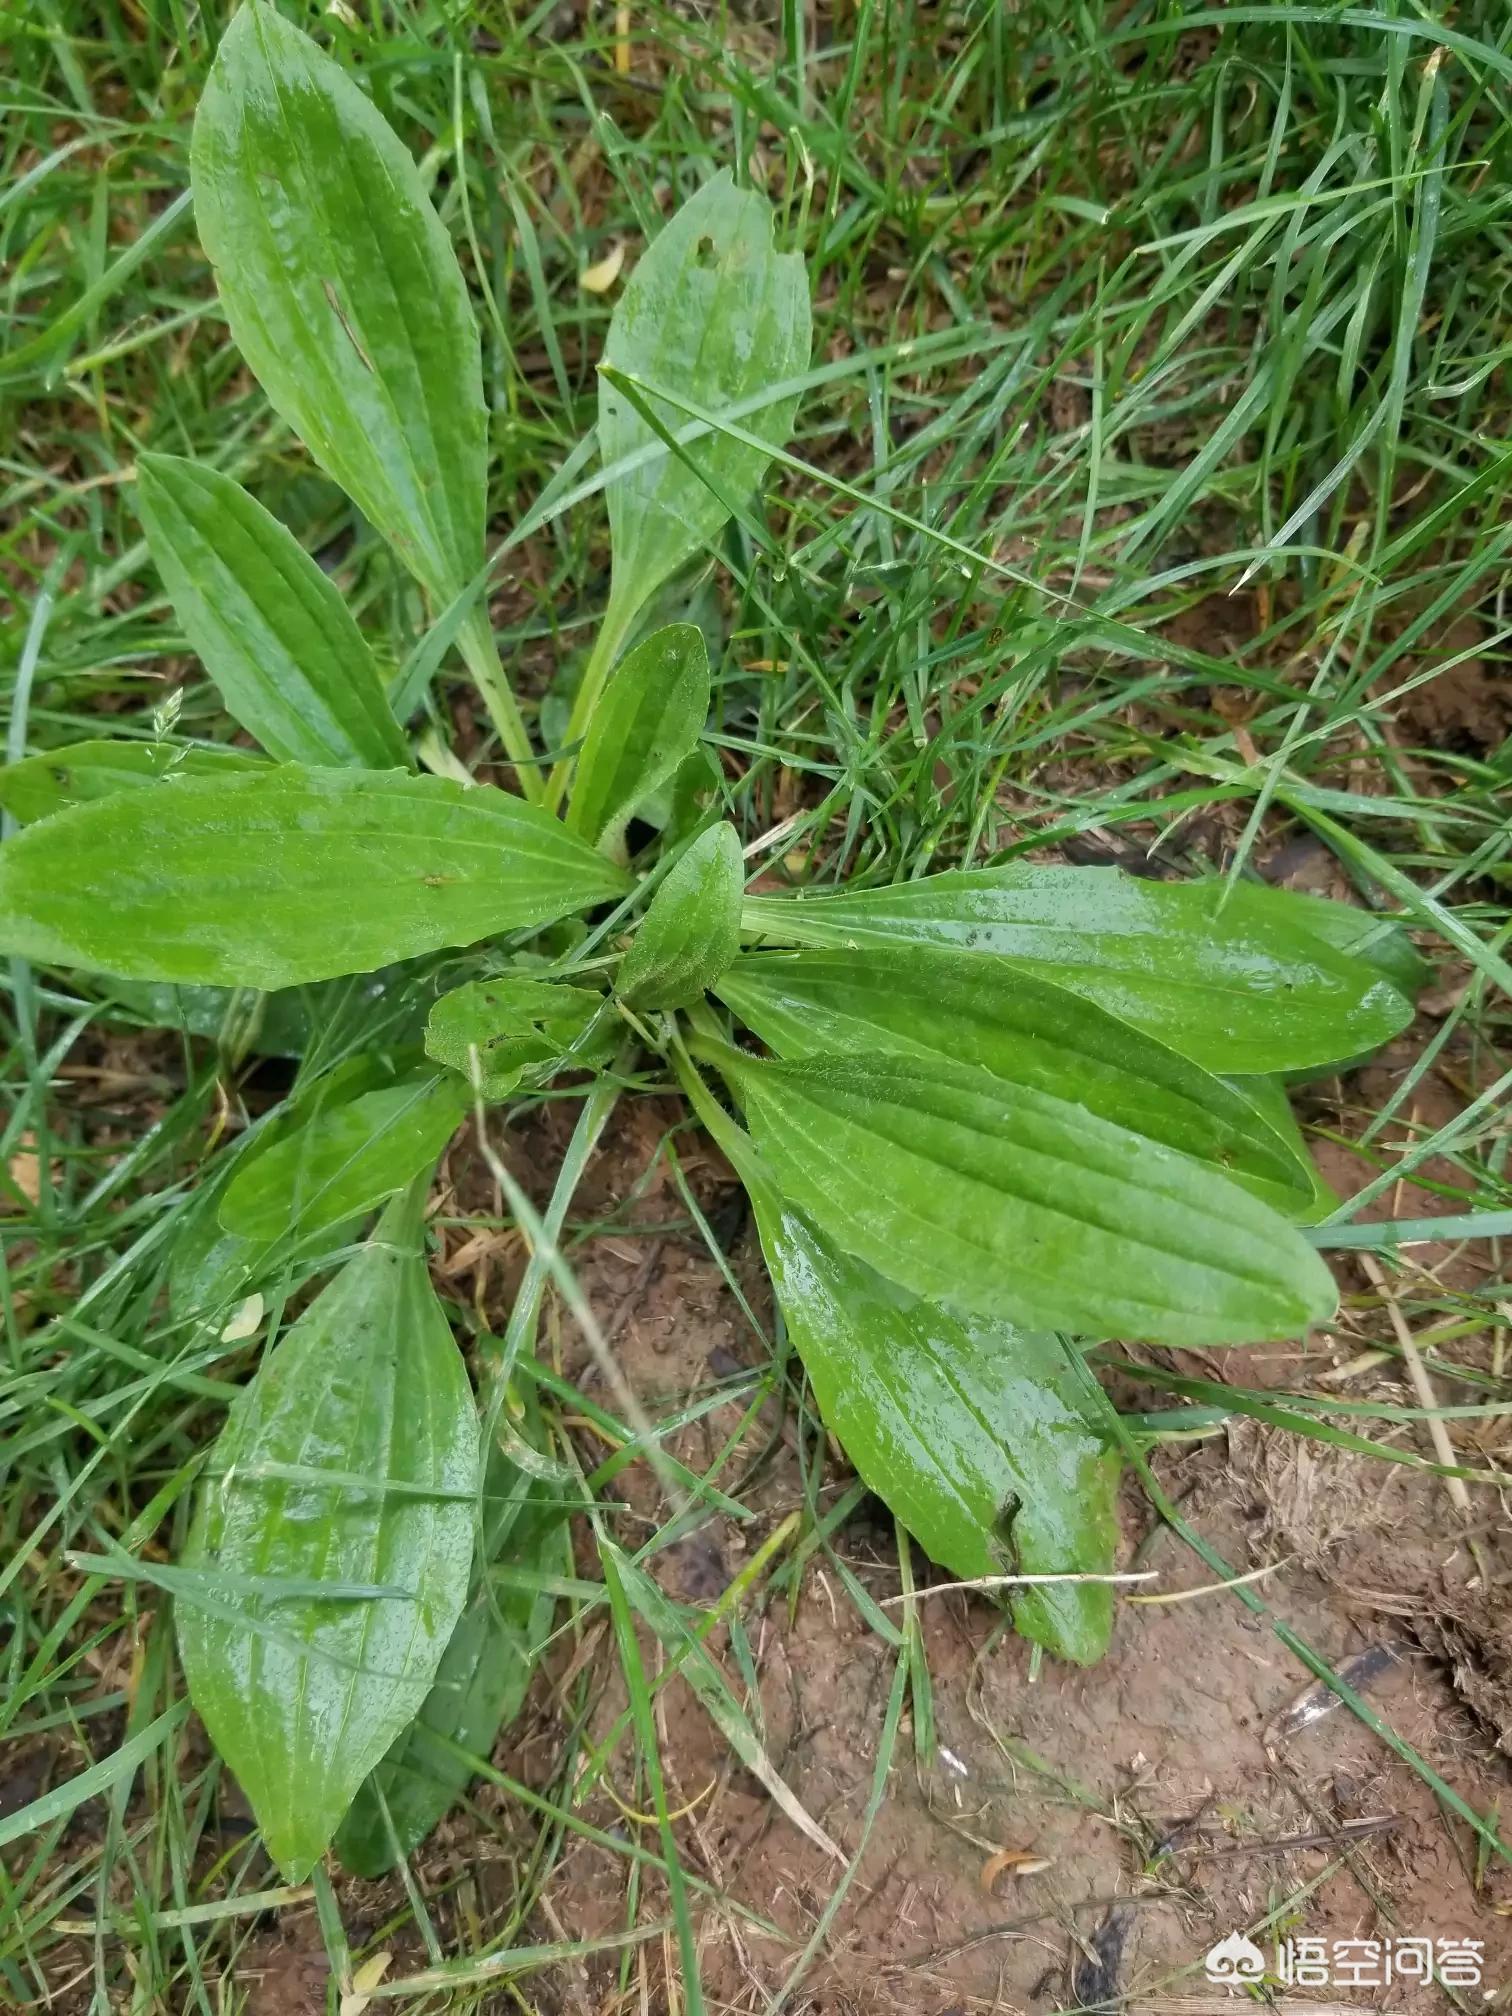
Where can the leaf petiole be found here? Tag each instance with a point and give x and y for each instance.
(619, 619)
(480, 653)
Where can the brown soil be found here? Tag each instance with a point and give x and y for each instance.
(1466, 707)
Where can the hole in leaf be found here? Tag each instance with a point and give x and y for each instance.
(707, 253)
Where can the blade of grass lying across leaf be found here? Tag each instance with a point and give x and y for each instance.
(715, 309)
(370, 1374)
(1418, 903)
(1395, 1232)
(344, 1160)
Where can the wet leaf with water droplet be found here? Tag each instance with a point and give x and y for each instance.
(303, 1694)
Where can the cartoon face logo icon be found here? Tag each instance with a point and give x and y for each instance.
(1233, 1960)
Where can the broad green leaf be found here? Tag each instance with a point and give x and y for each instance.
(937, 1002)
(480, 1683)
(691, 932)
(507, 1027)
(971, 1430)
(303, 1693)
(288, 876)
(38, 786)
(713, 313)
(344, 1159)
(343, 291)
(1232, 976)
(1378, 941)
(1008, 1202)
(650, 717)
(268, 626)
(967, 1427)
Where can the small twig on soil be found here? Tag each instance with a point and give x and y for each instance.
(1013, 1582)
(1214, 1588)
(1347, 1830)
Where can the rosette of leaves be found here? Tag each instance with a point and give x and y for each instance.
(979, 1114)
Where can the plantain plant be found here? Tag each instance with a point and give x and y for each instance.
(978, 1114)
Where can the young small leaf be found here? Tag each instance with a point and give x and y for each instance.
(1008, 1202)
(691, 932)
(510, 1026)
(268, 626)
(343, 291)
(38, 786)
(650, 717)
(304, 1693)
(1234, 976)
(210, 1267)
(934, 1001)
(344, 1160)
(713, 313)
(966, 1426)
(288, 875)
